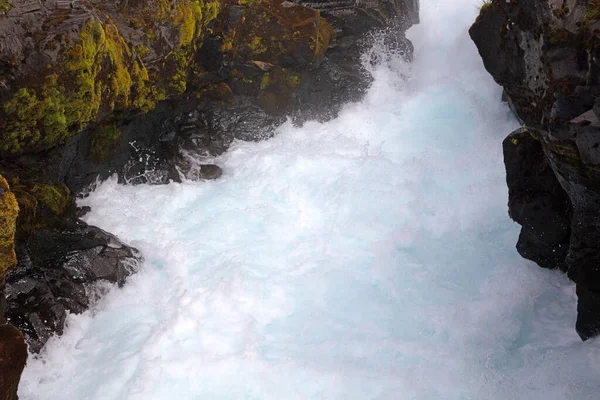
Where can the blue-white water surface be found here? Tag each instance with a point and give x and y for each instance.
(369, 257)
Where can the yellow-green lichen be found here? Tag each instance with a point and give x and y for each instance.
(9, 210)
(55, 198)
(98, 70)
(104, 140)
(5, 7)
(265, 81)
(40, 205)
(256, 46)
(592, 12)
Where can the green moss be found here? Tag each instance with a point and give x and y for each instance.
(104, 140)
(5, 7)
(40, 205)
(141, 50)
(54, 198)
(256, 45)
(191, 17)
(292, 78)
(9, 209)
(533, 135)
(265, 80)
(175, 67)
(484, 7)
(99, 72)
(24, 112)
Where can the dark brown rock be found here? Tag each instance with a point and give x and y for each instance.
(210, 172)
(13, 356)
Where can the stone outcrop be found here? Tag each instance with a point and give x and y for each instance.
(545, 54)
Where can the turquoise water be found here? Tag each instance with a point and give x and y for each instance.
(369, 257)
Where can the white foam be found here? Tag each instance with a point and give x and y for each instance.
(369, 257)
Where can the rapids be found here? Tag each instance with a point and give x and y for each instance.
(369, 257)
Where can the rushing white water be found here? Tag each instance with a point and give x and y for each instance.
(369, 257)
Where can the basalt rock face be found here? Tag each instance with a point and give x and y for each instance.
(144, 89)
(13, 350)
(546, 56)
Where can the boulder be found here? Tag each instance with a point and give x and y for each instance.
(60, 272)
(13, 356)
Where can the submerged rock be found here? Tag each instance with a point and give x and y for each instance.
(13, 350)
(546, 55)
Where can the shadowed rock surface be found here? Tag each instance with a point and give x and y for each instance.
(13, 355)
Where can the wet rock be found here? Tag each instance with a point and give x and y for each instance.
(341, 77)
(58, 272)
(9, 210)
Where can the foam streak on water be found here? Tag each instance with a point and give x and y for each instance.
(369, 257)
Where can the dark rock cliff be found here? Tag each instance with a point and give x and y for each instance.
(89, 88)
(545, 53)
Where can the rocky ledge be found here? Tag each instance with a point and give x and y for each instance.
(147, 89)
(545, 53)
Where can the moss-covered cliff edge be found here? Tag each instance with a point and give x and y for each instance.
(545, 54)
(85, 62)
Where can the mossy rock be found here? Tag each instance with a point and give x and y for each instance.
(41, 205)
(104, 139)
(99, 71)
(5, 7)
(9, 210)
